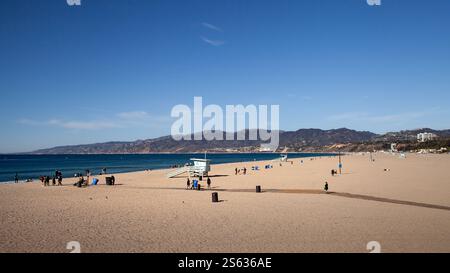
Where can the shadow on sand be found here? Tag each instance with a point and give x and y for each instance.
(339, 194)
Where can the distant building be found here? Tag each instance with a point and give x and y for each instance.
(424, 137)
(265, 149)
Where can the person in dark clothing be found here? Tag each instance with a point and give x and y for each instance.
(326, 187)
(245, 171)
(113, 180)
(54, 181)
(80, 182)
(16, 178)
(208, 182)
(60, 180)
(235, 171)
(332, 172)
(47, 181)
(188, 184)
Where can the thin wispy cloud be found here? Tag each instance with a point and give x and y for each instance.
(85, 125)
(302, 98)
(212, 27)
(389, 118)
(74, 124)
(121, 120)
(212, 42)
(134, 115)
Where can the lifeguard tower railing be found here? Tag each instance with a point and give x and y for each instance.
(200, 167)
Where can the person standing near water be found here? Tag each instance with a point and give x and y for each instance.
(188, 184)
(208, 182)
(16, 178)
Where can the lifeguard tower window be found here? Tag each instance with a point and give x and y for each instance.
(201, 166)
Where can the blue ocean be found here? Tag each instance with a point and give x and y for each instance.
(34, 166)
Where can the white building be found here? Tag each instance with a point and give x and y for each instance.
(394, 147)
(424, 137)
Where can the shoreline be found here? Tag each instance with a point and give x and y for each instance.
(168, 168)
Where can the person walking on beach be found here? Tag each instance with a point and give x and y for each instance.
(326, 187)
(245, 171)
(16, 178)
(235, 171)
(60, 180)
(47, 181)
(208, 182)
(188, 184)
(54, 181)
(113, 180)
(88, 174)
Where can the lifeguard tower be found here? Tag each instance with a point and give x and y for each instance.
(283, 158)
(199, 167)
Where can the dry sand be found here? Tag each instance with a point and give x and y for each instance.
(406, 209)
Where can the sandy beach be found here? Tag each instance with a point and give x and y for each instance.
(405, 209)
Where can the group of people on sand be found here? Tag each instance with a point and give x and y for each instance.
(195, 186)
(85, 182)
(57, 177)
(16, 179)
(238, 171)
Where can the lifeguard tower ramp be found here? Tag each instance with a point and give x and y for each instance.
(201, 167)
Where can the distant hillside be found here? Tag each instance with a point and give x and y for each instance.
(303, 140)
(293, 140)
(408, 135)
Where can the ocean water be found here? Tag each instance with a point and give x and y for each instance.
(34, 166)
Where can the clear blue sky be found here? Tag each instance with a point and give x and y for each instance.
(113, 69)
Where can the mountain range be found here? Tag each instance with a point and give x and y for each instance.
(302, 140)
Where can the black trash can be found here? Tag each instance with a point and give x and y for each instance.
(258, 188)
(198, 187)
(215, 197)
(108, 181)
